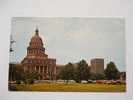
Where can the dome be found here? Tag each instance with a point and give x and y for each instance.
(36, 40)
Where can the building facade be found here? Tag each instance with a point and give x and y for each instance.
(37, 60)
(97, 65)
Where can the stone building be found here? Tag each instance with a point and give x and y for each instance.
(97, 65)
(37, 60)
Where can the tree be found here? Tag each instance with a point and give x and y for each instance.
(100, 76)
(15, 72)
(67, 72)
(97, 76)
(93, 76)
(30, 77)
(111, 71)
(82, 72)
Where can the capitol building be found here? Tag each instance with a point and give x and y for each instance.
(37, 60)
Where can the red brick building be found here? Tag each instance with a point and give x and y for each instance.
(37, 60)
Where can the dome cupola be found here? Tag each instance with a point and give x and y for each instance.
(36, 40)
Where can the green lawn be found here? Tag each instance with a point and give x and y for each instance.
(54, 87)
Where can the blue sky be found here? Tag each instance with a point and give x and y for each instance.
(72, 39)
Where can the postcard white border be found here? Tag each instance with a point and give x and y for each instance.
(63, 8)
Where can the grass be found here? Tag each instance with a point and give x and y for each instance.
(56, 87)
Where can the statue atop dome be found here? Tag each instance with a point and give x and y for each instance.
(37, 31)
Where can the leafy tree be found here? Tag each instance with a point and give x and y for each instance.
(97, 76)
(100, 76)
(82, 72)
(93, 76)
(15, 72)
(111, 71)
(29, 78)
(67, 72)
